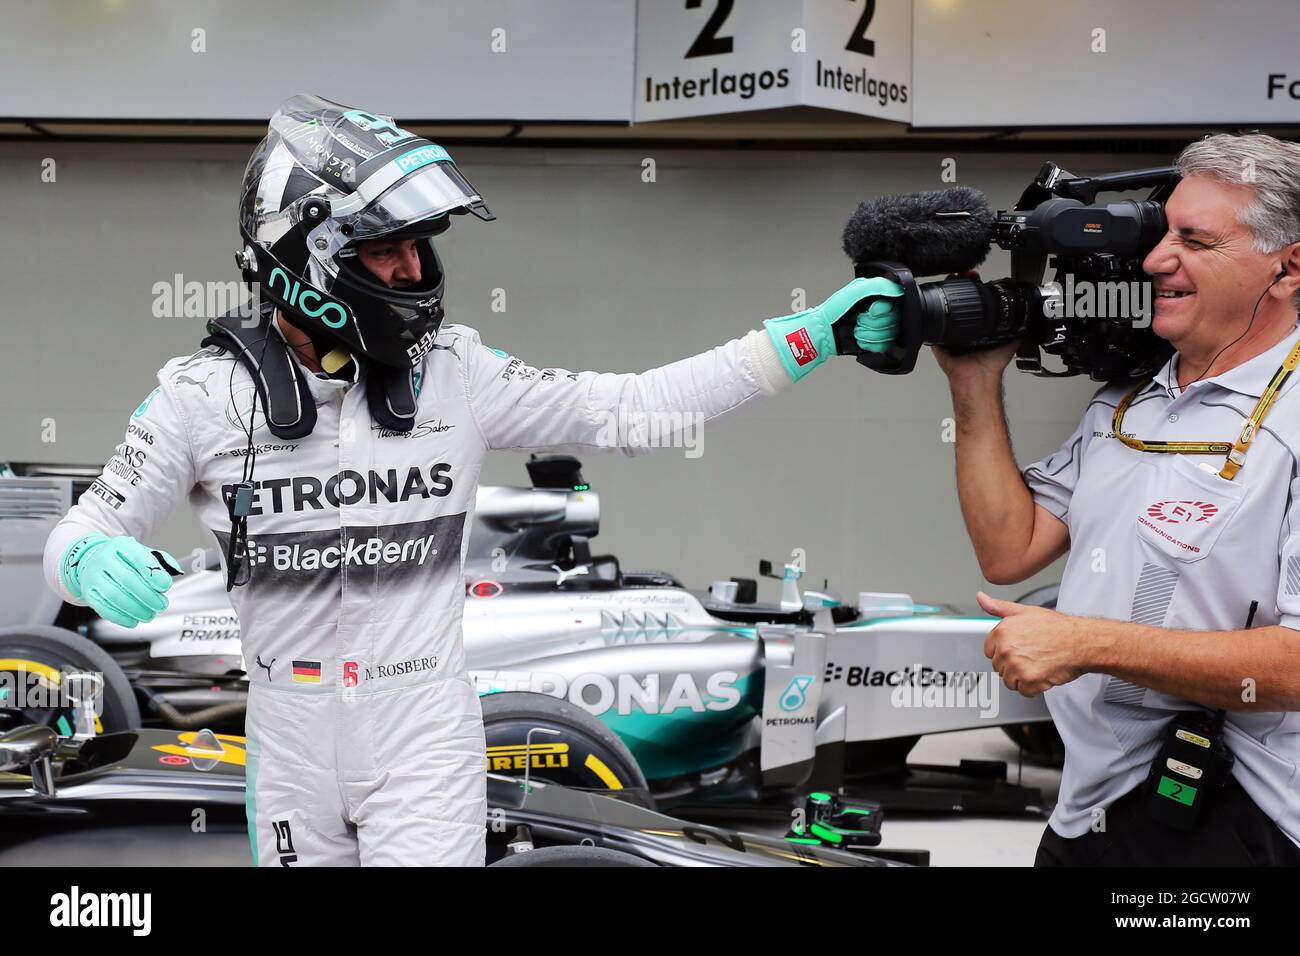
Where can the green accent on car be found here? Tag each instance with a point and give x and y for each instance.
(807, 840)
(65, 728)
(686, 741)
(737, 629)
(921, 610)
(820, 797)
(826, 833)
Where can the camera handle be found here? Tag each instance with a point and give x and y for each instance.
(899, 358)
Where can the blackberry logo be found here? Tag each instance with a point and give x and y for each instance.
(350, 552)
(911, 676)
(410, 554)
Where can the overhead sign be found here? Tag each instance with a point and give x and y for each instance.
(706, 57)
(1020, 63)
(859, 57)
(932, 63)
(701, 57)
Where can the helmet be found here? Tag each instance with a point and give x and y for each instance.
(325, 179)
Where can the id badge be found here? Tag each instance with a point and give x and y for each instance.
(1190, 768)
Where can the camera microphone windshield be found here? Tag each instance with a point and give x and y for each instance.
(934, 233)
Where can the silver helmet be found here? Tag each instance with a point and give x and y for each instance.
(325, 179)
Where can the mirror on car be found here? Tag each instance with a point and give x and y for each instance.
(605, 568)
(21, 748)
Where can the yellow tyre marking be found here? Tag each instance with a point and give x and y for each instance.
(601, 770)
(45, 670)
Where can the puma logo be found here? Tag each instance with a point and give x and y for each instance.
(186, 380)
(580, 570)
(265, 667)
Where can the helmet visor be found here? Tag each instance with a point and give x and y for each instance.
(404, 203)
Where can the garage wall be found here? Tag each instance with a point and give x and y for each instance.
(600, 269)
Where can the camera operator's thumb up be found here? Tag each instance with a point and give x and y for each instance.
(860, 317)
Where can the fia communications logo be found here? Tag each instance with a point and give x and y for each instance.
(1182, 512)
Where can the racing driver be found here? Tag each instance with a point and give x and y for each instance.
(332, 441)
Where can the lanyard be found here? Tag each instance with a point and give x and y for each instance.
(1235, 451)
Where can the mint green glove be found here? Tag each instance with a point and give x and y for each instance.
(806, 339)
(120, 578)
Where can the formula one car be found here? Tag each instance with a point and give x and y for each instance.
(701, 698)
(142, 792)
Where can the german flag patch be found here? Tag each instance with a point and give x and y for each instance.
(306, 672)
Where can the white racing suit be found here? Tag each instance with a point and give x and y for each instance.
(365, 737)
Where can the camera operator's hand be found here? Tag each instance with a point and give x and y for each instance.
(1013, 536)
(1034, 648)
(986, 364)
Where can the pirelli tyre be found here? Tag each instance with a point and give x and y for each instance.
(581, 752)
(572, 856)
(33, 663)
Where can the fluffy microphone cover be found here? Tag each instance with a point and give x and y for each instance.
(908, 229)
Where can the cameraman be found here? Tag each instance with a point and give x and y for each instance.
(1168, 545)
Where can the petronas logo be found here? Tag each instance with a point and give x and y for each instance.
(795, 696)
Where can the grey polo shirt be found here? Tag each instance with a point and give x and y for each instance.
(1157, 540)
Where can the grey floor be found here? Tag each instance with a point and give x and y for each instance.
(975, 841)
